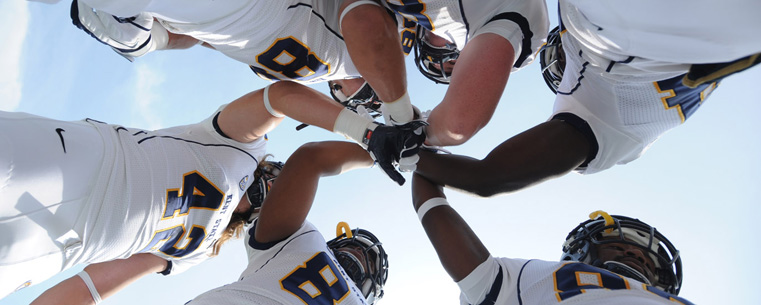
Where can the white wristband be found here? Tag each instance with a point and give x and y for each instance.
(90, 286)
(399, 111)
(267, 103)
(430, 204)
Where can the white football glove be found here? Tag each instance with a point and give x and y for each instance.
(130, 37)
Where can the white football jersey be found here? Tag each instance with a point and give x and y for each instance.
(657, 37)
(88, 192)
(504, 281)
(170, 192)
(523, 23)
(300, 269)
(627, 113)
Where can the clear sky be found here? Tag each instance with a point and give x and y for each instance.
(699, 184)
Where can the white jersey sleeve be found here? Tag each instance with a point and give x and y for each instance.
(488, 280)
(300, 269)
(504, 281)
(129, 35)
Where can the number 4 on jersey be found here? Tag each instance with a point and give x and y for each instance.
(196, 193)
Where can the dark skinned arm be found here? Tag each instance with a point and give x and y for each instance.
(546, 151)
(459, 249)
(286, 207)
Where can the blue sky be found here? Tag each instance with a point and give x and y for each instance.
(699, 184)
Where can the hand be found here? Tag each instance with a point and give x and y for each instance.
(409, 163)
(390, 144)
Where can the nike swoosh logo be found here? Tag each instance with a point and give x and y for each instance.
(60, 135)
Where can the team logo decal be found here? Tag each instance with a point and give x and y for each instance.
(24, 285)
(242, 183)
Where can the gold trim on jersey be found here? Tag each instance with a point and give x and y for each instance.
(300, 71)
(664, 99)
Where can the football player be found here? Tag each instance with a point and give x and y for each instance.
(608, 259)
(620, 82)
(289, 261)
(125, 199)
(300, 41)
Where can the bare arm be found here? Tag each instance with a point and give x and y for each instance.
(247, 119)
(373, 43)
(108, 277)
(288, 203)
(459, 249)
(548, 150)
(478, 81)
(178, 41)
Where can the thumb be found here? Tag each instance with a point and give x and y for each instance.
(392, 173)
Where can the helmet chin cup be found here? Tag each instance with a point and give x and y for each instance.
(622, 269)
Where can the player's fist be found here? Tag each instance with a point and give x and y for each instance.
(390, 144)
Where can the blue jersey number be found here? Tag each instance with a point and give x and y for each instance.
(317, 282)
(407, 36)
(685, 99)
(575, 278)
(572, 279)
(196, 193)
(291, 59)
(413, 10)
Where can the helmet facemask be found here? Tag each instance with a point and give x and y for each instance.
(430, 59)
(552, 60)
(365, 96)
(264, 177)
(363, 258)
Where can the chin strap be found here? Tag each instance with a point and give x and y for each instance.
(622, 269)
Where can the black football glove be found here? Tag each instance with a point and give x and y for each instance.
(388, 144)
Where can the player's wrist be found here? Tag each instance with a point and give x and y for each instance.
(399, 111)
(354, 127)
